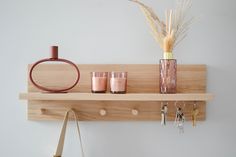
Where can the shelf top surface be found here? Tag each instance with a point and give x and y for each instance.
(117, 97)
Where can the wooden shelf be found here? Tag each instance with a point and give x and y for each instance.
(142, 93)
(117, 97)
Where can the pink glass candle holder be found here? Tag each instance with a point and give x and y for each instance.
(118, 82)
(99, 82)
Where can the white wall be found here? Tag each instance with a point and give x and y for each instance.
(114, 31)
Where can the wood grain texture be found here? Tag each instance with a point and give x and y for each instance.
(116, 110)
(117, 97)
(142, 78)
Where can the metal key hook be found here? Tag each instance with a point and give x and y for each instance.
(195, 105)
(164, 102)
(180, 106)
(164, 106)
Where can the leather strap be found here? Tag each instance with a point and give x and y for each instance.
(63, 133)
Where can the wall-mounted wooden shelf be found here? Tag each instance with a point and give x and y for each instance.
(142, 93)
(117, 97)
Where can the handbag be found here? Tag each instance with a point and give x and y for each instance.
(60, 145)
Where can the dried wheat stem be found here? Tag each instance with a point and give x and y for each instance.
(168, 34)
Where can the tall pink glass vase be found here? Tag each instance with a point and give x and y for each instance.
(168, 76)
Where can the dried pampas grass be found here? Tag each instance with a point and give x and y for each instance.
(170, 33)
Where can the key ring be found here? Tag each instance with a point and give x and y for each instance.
(164, 106)
(176, 103)
(195, 105)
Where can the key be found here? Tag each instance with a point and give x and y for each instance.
(181, 124)
(164, 110)
(181, 127)
(195, 112)
(179, 120)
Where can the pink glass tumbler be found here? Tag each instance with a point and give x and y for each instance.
(118, 82)
(99, 82)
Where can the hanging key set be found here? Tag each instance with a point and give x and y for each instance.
(179, 115)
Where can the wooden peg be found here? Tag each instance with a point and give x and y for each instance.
(134, 112)
(103, 112)
(43, 110)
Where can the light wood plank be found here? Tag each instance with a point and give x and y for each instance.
(116, 110)
(142, 78)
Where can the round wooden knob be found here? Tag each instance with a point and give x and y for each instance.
(43, 110)
(103, 112)
(134, 112)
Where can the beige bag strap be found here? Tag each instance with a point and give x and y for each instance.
(63, 133)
